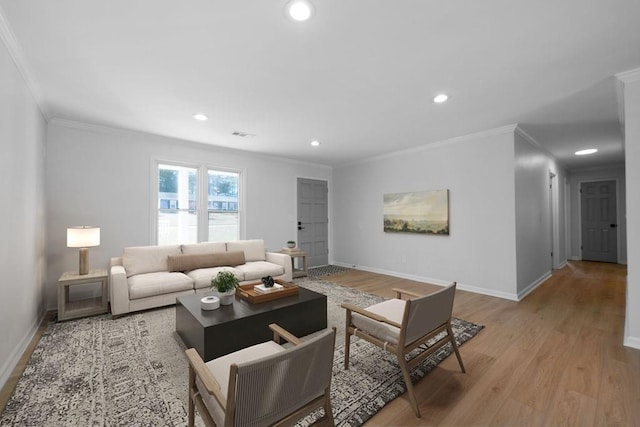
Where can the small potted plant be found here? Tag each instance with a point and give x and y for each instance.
(291, 244)
(225, 283)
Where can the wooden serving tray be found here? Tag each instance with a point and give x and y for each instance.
(247, 292)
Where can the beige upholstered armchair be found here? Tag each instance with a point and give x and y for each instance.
(400, 326)
(265, 384)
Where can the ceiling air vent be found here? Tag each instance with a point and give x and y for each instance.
(242, 134)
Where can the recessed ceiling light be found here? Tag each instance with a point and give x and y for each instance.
(200, 116)
(440, 98)
(587, 151)
(315, 143)
(299, 10)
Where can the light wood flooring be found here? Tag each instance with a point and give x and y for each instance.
(553, 359)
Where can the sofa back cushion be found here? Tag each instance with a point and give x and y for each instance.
(253, 249)
(188, 262)
(204, 248)
(147, 259)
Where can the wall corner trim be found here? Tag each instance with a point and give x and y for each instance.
(15, 51)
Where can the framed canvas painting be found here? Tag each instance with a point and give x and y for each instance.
(424, 212)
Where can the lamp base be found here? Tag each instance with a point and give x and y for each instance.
(84, 261)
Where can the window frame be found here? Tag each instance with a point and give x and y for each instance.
(202, 197)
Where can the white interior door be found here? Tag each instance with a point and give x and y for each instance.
(313, 220)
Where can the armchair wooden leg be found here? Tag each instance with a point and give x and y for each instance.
(455, 347)
(328, 412)
(192, 385)
(347, 344)
(407, 380)
(347, 339)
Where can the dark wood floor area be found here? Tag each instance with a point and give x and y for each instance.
(554, 359)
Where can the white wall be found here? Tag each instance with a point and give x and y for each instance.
(534, 220)
(614, 173)
(22, 241)
(102, 177)
(632, 155)
(479, 253)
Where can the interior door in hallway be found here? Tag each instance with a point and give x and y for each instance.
(599, 221)
(313, 220)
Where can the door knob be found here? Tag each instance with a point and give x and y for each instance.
(613, 225)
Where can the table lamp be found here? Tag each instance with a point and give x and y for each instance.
(83, 237)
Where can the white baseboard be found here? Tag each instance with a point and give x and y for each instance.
(526, 291)
(489, 292)
(434, 281)
(633, 342)
(12, 361)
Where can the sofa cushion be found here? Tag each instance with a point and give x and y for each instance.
(157, 283)
(258, 269)
(253, 249)
(194, 261)
(204, 248)
(202, 276)
(147, 259)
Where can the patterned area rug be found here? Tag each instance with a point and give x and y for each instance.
(133, 371)
(325, 270)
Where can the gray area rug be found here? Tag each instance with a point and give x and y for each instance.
(132, 371)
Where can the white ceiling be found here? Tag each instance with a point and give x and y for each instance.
(359, 76)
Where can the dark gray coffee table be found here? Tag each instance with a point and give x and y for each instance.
(233, 327)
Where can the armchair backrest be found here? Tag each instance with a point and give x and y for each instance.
(270, 388)
(424, 314)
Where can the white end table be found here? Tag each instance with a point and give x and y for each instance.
(82, 307)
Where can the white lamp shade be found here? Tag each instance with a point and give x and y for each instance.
(83, 237)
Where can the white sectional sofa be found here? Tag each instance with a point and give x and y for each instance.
(153, 276)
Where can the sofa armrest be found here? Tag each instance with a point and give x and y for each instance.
(119, 290)
(284, 260)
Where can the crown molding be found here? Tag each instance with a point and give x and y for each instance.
(531, 140)
(13, 47)
(629, 76)
(109, 130)
(429, 146)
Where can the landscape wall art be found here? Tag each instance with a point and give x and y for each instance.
(424, 212)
